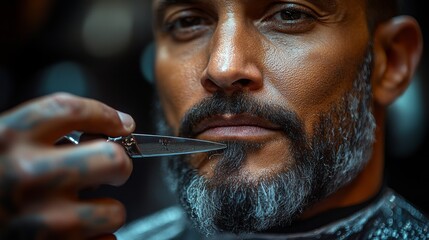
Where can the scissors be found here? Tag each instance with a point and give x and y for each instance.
(148, 145)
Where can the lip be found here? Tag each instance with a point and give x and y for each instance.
(236, 127)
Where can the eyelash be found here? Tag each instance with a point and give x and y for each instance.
(302, 19)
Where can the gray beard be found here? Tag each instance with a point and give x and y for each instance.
(339, 149)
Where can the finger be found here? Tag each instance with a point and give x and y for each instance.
(69, 168)
(64, 219)
(52, 116)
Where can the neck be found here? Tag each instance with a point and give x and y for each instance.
(365, 186)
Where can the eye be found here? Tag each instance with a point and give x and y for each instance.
(187, 27)
(290, 18)
(186, 23)
(289, 15)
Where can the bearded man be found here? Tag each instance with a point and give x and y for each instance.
(298, 92)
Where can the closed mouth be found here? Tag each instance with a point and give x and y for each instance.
(235, 127)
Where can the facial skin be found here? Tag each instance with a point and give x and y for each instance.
(298, 57)
(303, 64)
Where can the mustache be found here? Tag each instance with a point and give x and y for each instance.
(240, 103)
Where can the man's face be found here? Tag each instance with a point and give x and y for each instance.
(284, 83)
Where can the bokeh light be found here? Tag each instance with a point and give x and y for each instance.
(107, 28)
(147, 63)
(407, 121)
(64, 77)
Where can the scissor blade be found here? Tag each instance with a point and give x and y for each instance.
(157, 145)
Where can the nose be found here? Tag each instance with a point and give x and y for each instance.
(234, 59)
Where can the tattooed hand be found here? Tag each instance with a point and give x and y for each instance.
(39, 182)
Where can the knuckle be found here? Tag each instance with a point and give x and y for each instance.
(62, 95)
(26, 171)
(64, 104)
(118, 210)
(108, 112)
(61, 98)
(121, 158)
(103, 217)
(78, 107)
(122, 162)
(19, 176)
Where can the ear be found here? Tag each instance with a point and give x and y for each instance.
(398, 46)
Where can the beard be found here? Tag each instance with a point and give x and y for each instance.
(334, 155)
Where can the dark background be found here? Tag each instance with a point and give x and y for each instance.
(96, 49)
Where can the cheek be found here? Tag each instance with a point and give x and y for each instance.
(313, 77)
(177, 76)
(310, 79)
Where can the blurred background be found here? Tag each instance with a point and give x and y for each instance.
(99, 49)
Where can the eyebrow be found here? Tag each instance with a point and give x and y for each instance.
(165, 3)
(162, 5)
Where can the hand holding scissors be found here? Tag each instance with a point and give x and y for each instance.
(40, 181)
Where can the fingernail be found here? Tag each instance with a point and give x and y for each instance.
(127, 120)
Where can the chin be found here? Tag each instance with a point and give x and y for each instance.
(247, 161)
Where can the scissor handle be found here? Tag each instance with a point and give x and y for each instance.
(71, 138)
(128, 142)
